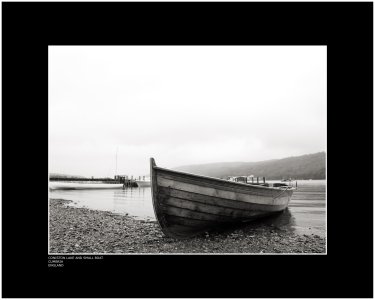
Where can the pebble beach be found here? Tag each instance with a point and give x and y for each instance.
(86, 231)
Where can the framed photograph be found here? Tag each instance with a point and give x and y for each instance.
(187, 142)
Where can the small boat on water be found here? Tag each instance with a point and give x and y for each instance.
(187, 204)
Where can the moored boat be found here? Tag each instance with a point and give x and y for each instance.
(187, 204)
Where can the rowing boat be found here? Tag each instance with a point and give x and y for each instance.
(187, 204)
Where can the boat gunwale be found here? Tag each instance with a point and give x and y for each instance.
(223, 180)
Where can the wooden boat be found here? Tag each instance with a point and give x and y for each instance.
(188, 204)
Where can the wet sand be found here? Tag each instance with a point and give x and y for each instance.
(82, 230)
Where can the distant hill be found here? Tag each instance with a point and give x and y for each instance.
(309, 166)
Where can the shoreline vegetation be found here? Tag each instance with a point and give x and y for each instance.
(82, 230)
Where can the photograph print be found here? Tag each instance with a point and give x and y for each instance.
(187, 150)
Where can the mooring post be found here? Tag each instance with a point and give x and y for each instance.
(257, 180)
(264, 179)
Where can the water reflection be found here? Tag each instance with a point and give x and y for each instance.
(135, 201)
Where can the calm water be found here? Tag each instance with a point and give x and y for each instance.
(136, 202)
(306, 213)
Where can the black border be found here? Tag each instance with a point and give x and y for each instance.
(347, 29)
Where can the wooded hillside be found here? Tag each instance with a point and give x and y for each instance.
(310, 166)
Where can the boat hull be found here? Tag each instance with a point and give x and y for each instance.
(187, 204)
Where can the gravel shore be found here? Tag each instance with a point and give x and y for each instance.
(81, 230)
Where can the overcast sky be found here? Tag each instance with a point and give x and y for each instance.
(183, 105)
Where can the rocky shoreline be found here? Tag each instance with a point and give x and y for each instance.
(82, 230)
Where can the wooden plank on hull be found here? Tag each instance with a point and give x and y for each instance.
(215, 201)
(181, 176)
(186, 213)
(221, 193)
(224, 186)
(210, 209)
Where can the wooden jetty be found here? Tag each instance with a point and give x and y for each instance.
(54, 185)
(126, 182)
(188, 204)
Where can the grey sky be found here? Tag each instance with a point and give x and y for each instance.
(182, 105)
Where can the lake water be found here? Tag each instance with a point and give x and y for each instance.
(306, 213)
